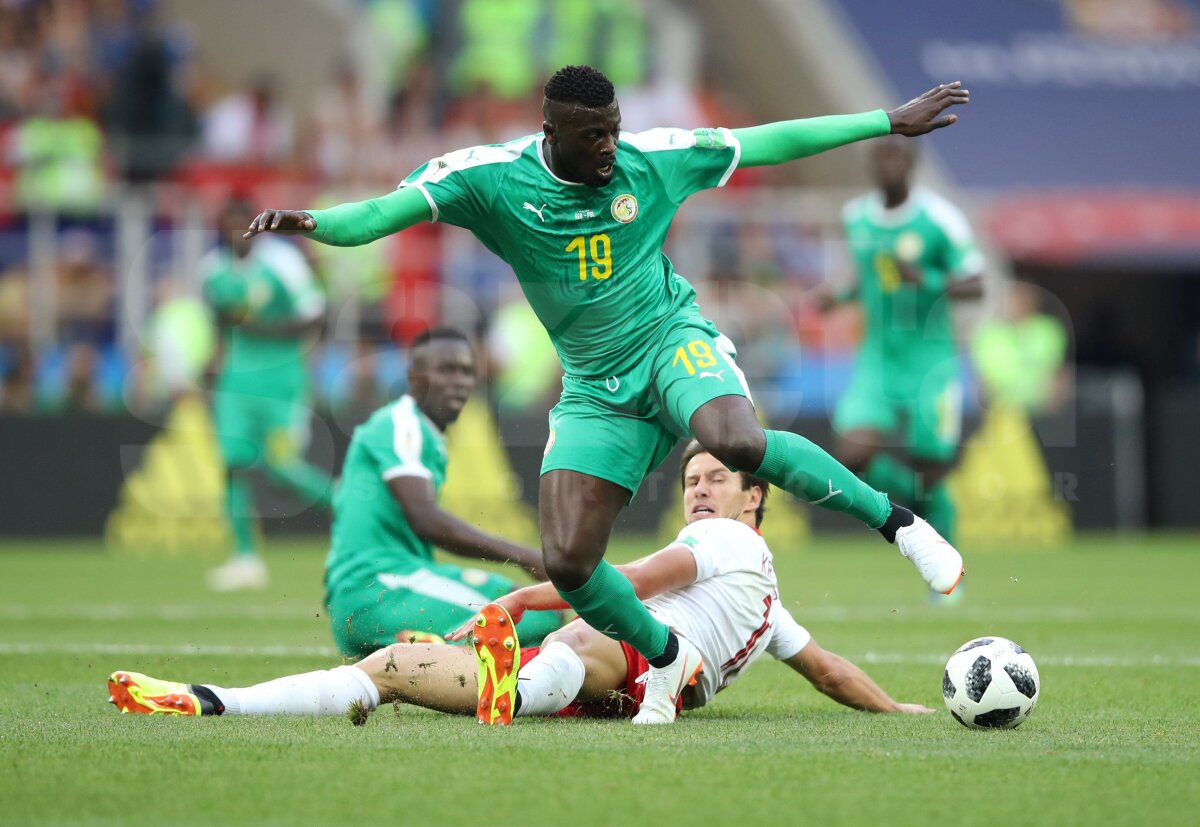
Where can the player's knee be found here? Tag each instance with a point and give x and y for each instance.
(569, 561)
(568, 569)
(741, 449)
(570, 635)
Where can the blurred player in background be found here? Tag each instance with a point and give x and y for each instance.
(268, 307)
(914, 254)
(581, 212)
(715, 584)
(381, 580)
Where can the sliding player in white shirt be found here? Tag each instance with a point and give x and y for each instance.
(715, 585)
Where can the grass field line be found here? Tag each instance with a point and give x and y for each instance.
(221, 650)
(826, 614)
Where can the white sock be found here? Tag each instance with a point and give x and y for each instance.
(550, 681)
(327, 692)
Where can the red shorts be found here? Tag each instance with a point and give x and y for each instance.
(624, 703)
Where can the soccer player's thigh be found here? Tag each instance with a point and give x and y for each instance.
(287, 427)
(432, 600)
(935, 418)
(867, 405)
(694, 367)
(238, 423)
(600, 429)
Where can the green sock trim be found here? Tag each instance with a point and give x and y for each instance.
(608, 603)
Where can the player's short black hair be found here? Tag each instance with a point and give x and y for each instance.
(434, 334)
(582, 85)
(748, 480)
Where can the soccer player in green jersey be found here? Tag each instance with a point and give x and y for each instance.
(914, 253)
(381, 580)
(580, 212)
(268, 307)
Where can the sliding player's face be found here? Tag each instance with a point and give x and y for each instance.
(583, 142)
(440, 378)
(712, 490)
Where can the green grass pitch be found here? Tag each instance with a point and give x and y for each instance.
(1114, 625)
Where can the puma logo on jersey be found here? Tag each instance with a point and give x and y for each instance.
(536, 211)
(716, 375)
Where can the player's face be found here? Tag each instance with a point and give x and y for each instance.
(583, 142)
(892, 163)
(712, 490)
(441, 377)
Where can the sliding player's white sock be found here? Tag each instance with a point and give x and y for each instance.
(328, 692)
(550, 681)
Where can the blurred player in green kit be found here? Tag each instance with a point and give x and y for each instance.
(914, 254)
(268, 307)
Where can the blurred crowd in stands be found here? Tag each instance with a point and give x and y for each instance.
(103, 102)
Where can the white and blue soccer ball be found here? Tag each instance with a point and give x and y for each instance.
(991, 683)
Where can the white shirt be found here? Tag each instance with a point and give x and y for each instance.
(732, 611)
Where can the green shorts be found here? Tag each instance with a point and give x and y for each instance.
(251, 428)
(430, 600)
(621, 428)
(924, 407)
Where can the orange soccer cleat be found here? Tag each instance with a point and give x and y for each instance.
(498, 654)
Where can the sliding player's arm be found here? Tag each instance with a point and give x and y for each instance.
(417, 498)
(667, 569)
(777, 143)
(829, 673)
(349, 225)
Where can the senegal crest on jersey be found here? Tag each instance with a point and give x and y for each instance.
(624, 208)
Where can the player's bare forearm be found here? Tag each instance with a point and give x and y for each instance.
(841, 680)
(927, 112)
(969, 287)
(459, 537)
(542, 597)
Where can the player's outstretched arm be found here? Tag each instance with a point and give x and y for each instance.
(847, 684)
(778, 143)
(418, 500)
(348, 225)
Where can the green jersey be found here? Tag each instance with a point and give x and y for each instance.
(589, 259)
(273, 283)
(370, 531)
(909, 325)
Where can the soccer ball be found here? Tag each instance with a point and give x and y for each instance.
(991, 683)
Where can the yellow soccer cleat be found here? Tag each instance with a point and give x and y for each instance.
(143, 695)
(499, 657)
